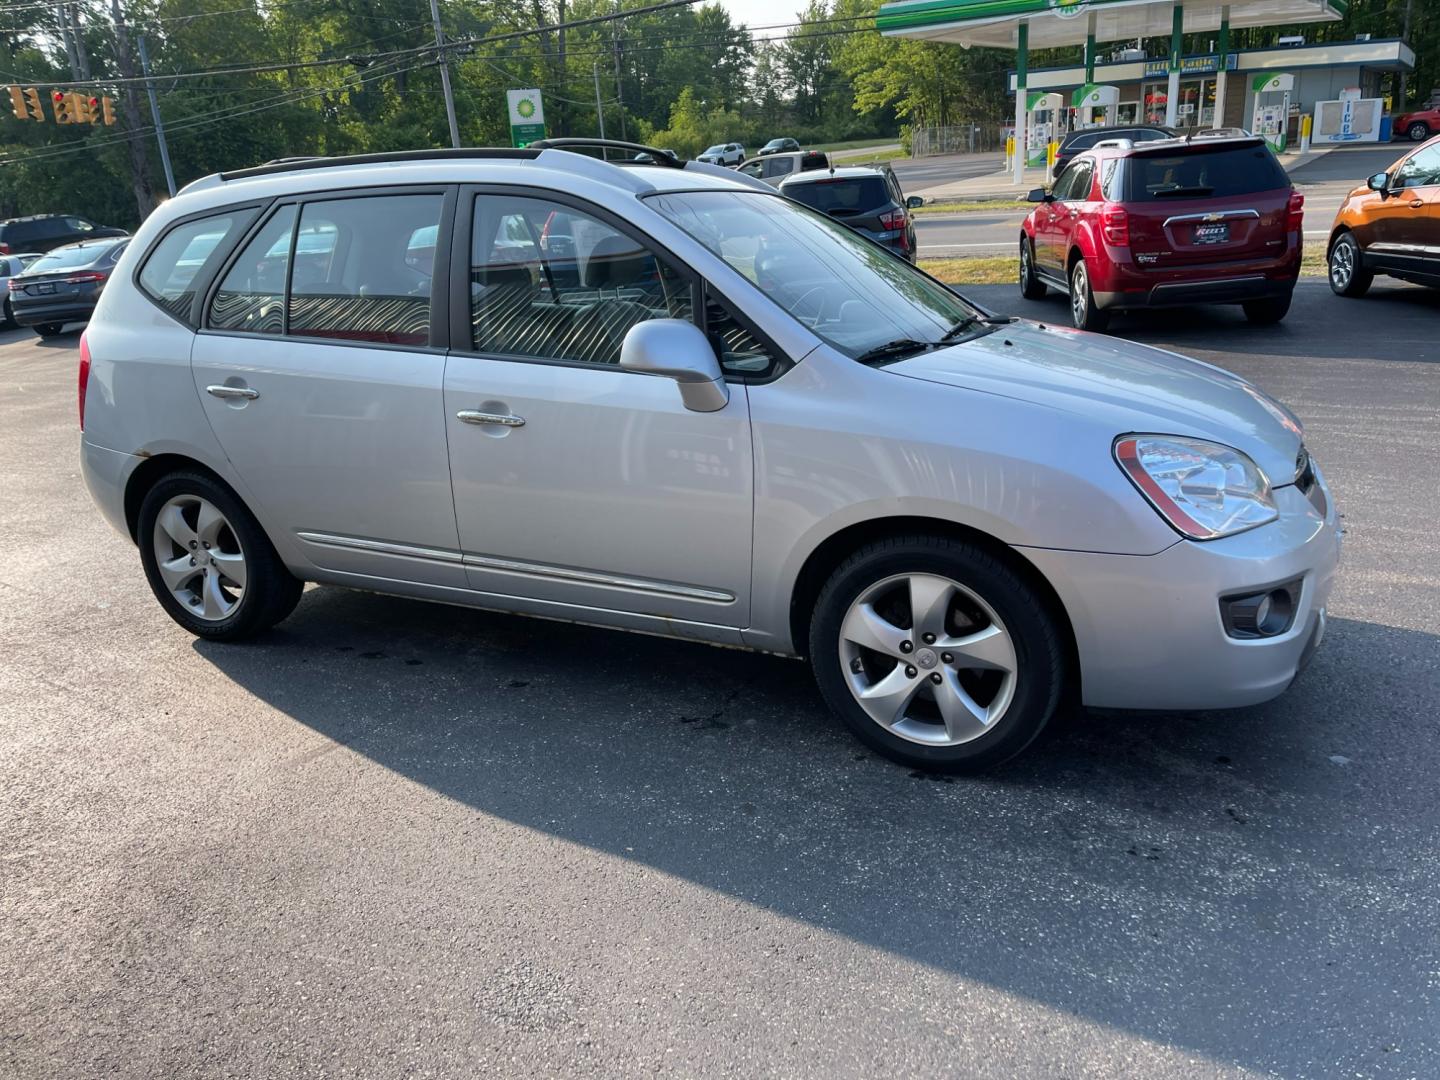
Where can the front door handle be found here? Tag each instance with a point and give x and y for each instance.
(471, 416)
(1417, 203)
(233, 392)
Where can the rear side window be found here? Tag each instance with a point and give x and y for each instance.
(185, 256)
(843, 197)
(363, 269)
(251, 299)
(1201, 173)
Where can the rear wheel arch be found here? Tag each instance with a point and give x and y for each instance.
(154, 469)
(835, 549)
(1074, 256)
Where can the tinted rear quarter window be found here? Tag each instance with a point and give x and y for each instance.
(184, 256)
(1218, 173)
(846, 196)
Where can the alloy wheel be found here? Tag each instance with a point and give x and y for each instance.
(928, 660)
(1024, 265)
(199, 557)
(1342, 264)
(1079, 293)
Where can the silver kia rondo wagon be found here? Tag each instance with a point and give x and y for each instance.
(661, 397)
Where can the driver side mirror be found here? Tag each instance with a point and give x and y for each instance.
(914, 202)
(679, 350)
(1379, 182)
(1039, 194)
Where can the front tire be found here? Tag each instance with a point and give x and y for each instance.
(1083, 312)
(1267, 312)
(209, 562)
(1031, 287)
(936, 653)
(1419, 131)
(1348, 276)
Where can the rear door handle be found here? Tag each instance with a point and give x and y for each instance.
(1417, 203)
(233, 392)
(470, 416)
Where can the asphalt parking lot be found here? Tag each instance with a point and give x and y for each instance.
(399, 839)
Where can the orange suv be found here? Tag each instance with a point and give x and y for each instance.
(1390, 226)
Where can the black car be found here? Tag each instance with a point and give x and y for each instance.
(63, 286)
(779, 146)
(867, 199)
(1085, 138)
(46, 232)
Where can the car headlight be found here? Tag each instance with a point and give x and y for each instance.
(1203, 489)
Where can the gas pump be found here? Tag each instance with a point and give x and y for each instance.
(1043, 129)
(1090, 97)
(1272, 116)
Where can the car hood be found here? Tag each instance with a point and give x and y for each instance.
(1130, 387)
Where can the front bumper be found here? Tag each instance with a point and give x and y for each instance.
(1148, 628)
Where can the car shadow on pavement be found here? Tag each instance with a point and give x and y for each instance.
(1220, 883)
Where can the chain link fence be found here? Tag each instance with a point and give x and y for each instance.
(977, 138)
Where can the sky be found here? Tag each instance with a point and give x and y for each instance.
(764, 13)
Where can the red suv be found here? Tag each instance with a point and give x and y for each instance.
(1166, 224)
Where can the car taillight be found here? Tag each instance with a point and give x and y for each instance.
(15, 286)
(4, 249)
(1295, 215)
(1115, 224)
(81, 279)
(895, 219)
(84, 376)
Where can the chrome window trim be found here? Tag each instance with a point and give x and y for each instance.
(1213, 215)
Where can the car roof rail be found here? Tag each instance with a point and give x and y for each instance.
(285, 165)
(1114, 144)
(1219, 133)
(660, 156)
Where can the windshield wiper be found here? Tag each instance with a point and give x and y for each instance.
(1198, 189)
(894, 350)
(958, 329)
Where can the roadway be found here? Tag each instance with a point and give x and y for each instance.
(396, 839)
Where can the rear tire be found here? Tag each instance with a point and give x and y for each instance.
(1083, 312)
(49, 329)
(1031, 287)
(1267, 312)
(1419, 131)
(9, 315)
(968, 684)
(1347, 273)
(233, 585)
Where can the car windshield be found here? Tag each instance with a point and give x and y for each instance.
(67, 257)
(866, 302)
(716, 149)
(1221, 172)
(842, 196)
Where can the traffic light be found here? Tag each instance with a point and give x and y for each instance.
(26, 103)
(107, 110)
(62, 107)
(33, 106)
(81, 106)
(17, 102)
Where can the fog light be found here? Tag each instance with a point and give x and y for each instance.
(1264, 614)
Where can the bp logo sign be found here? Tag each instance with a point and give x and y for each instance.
(527, 116)
(1068, 9)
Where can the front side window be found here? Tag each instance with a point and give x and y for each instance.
(251, 298)
(551, 282)
(184, 255)
(1074, 183)
(851, 293)
(79, 224)
(363, 269)
(1420, 169)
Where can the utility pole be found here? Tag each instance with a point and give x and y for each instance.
(1398, 105)
(599, 109)
(130, 107)
(445, 75)
(619, 87)
(155, 115)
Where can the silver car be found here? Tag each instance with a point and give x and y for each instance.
(11, 266)
(663, 398)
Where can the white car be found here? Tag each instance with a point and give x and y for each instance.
(666, 398)
(724, 154)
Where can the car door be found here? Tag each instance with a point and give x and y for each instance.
(321, 374)
(1405, 224)
(1060, 214)
(579, 484)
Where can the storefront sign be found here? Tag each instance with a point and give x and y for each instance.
(527, 116)
(1191, 65)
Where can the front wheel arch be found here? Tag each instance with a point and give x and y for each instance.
(836, 548)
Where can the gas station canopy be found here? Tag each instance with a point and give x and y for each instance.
(1053, 23)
